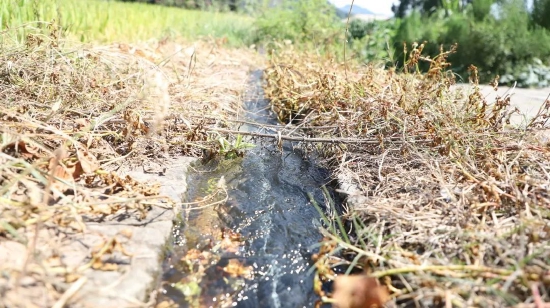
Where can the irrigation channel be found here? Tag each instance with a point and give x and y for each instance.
(270, 226)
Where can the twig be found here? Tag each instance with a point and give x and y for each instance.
(380, 177)
(540, 112)
(208, 205)
(286, 126)
(536, 297)
(307, 139)
(437, 268)
(346, 39)
(70, 292)
(209, 197)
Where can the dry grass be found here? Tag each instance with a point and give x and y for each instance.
(447, 204)
(71, 117)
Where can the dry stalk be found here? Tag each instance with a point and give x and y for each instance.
(452, 210)
(91, 103)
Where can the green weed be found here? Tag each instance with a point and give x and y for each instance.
(233, 149)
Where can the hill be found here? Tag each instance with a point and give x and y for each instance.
(355, 10)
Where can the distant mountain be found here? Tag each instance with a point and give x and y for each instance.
(354, 11)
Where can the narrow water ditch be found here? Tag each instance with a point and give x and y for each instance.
(252, 246)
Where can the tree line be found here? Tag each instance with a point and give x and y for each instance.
(505, 38)
(216, 5)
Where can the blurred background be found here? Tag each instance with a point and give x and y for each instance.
(505, 38)
(508, 38)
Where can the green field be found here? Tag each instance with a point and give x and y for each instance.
(108, 21)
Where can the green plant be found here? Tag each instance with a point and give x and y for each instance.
(358, 29)
(311, 21)
(108, 21)
(419, 29)
(509, 51)
(540, 13)
(371, 41)
(481, 9)
(233, 149)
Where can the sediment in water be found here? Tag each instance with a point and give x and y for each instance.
(268, 210)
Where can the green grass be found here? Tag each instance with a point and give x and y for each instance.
(109, 21)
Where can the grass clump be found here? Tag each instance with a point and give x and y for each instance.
(447, 199)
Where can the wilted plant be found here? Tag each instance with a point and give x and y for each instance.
(75, 118)
(446, 189)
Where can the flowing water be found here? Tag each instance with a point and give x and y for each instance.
(268, 208)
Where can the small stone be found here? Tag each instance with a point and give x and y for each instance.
(27, 281)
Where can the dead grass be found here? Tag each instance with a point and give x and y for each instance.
(71, 117)
(449, 205)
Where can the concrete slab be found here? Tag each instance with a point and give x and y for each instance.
(528, 101)
(136, 276)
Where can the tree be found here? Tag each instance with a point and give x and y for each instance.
(541, 13)
(481, 9)
(232, 5)
(428, 7)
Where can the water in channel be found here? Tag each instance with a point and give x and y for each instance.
(268, 210)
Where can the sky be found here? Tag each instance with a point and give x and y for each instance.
(382, 7)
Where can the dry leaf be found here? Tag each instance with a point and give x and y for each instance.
(134, 124)
(359, 291)
(236, 269)
(103, 266)
(104, 209)
(192, 254)
(54, 261)
(81, 123)
(108, 247)
(166, 304)
(231, 241)
(70, 278)
(87, 163)
(58, 171)
(21, 147)
(124, 47)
